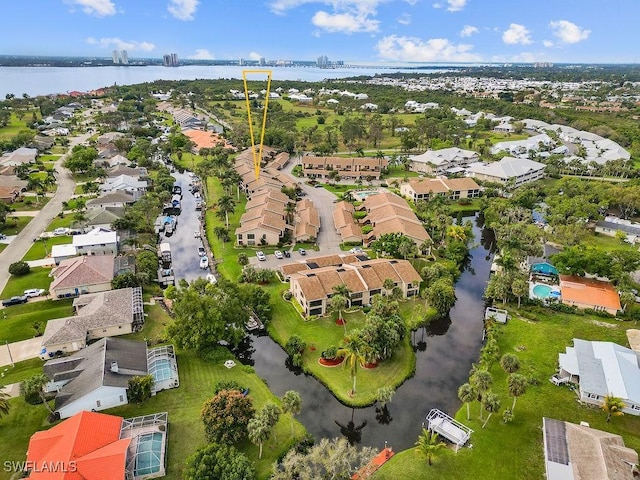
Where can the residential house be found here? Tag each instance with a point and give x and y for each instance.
(348, 168)
(264, 221)
(453, 188)
(202, 139)
(125, 183)
(102, 217)
(306, 221)
(589, 293)
(334, 260)
(579, 452)
(42, 143)
(112, 199)
(345, 224)
(390, 213)
(523, 147)
(20, 156)
(603, 369)
(79, 275)
(508, 171)
(11, 187)
(135, 172)
(439, 162)
(99, 241)
(610, 226)
(313, 288)
(91, 446)
(108, 139)
(97, 315)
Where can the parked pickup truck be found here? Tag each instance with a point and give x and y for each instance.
(14, 301)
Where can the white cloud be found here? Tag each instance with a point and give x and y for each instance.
(456, 5)
(99, 8)
(416, 50)
(547, 43)
(119, 44)
(183, 9)
(516, 34)
(281, 6)
(255, 56)
(404, 19)
(522, 57)
(201, 54)
(569, 32)
(437, 5)
(468, 30)
(344, 22)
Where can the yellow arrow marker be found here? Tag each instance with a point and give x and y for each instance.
(257, 156)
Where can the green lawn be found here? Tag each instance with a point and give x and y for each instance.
(30, 204)
(153, 331)
(18, 321)
(537, 344)
(14, 126)
(14, 225)
(473, 206)
(42, 247)
(49, 158)
(17, 427)
(38, 277)
(21, 370)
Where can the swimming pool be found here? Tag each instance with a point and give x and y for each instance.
(544, 269)
(362, 194)
(544, 291)
(148, 454)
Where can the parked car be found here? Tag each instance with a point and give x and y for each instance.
(278, 254)
(355, 250)
(302, 251)
(60, 231)
(3, 236)
(211, 278)
(287, 254)
(201, 251)
(34, 292)
(261, 256)
(196, 234)
(17, 300)
(204, 262)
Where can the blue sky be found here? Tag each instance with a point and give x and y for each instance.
(350, 30)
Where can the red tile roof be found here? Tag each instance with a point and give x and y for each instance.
(86, 446)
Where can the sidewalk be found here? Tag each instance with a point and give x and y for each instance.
(13, 389)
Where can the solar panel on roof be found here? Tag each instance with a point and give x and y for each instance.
(556, 440)
(313, 265)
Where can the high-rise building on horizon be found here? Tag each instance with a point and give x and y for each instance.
(323, 62)
(115, 57)
(263, 62)
(170, 60)
(120, 57)
(124, 57)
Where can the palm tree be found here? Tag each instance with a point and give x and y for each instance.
(292, 404)
(4, 402)
(388, 285)
(35, 385)
(613, 406)
(259, 431)
(510, 363)
(481, 381)
(491, 403)
(467, 394)
(352, 353)
(429, 445)
(339, 303)
(517, 385)
(226, 205)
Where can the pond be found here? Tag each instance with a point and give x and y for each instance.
(444, 353)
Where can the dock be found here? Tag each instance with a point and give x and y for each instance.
(449, 428)
(375, 463)
(254, 323)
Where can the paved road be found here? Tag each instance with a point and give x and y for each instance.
(23, 241)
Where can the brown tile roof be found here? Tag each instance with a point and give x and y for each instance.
(203, 139)
(291, 268)
(311, 287)
(385, 212)
(462, 184)
(351, 233)
(410, 229)
(82, 271)
(383, 198)
(587, 291)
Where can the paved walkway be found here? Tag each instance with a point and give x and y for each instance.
(20, 351)
(13, 389)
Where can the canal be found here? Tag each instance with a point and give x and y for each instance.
(444, 353)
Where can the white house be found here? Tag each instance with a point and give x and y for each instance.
(20, 156)
(612, 225)
(601, 369)
(437, 162)
(125, 183)
(516, 171)
(522, 147)
(99, 241)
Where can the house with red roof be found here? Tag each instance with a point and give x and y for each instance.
(95, 446)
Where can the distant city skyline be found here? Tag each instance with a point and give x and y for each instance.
(468, 31)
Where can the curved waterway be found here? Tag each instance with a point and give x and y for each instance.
(444, 353)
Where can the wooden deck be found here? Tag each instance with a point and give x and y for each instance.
(373, 466)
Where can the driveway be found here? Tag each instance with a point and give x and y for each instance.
(21, 244)
(19, 351)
